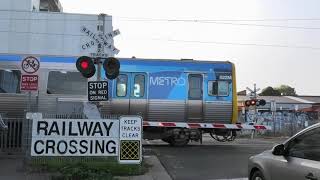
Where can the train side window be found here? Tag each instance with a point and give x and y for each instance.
(213, 88)
(62, 82)
(223, 88)
(10, 81)
(138, 89)
(122, 81)
(218, 88)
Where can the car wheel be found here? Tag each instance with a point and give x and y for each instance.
(257, 175)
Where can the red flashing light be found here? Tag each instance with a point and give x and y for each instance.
(84, 64)
(251, 102)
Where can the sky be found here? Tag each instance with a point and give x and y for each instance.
(271, 42)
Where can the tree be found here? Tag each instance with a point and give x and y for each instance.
(269, 91)
(286, 90)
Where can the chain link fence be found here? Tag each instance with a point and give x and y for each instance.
(284, 123)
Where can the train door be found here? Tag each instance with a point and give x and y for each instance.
(130, 94)
(195, 97)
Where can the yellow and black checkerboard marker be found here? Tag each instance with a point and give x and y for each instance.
(129, 150)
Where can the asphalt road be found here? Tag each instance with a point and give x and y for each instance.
(211, 160)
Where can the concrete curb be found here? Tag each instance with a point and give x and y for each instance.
(156, 172)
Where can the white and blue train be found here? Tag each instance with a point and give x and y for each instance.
(178, 99)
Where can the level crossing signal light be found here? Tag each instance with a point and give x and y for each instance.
(111, 67)
(86, 67)
(255, 102)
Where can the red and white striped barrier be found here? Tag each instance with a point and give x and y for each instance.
(206, 125)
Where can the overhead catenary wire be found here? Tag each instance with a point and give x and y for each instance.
(205, 21)
(247, 44)
(208, 21)
(234, 43)
(188, 41)
(172, 19)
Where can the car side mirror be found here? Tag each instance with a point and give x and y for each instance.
(278, 150)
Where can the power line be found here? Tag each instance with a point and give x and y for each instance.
(228, 23)
(184, 20)
(189, 41)
(194, 19)
(238, 44)
(37, 33)
(162, 19)
(271, 19)
(259, 25)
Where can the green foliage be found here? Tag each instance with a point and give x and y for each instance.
(286, 90)
(283, 90)
(269, 91)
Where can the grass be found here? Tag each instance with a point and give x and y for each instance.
(85, 167)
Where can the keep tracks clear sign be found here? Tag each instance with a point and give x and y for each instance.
(88, 137)
(130, 139)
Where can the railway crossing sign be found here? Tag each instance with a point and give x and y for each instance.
(29, 77)
(97, 91)
(95, 137)
(101, 41)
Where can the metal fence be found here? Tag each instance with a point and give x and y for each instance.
(11, 136)
(282, 123)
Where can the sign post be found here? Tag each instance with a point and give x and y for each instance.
(98, 90)
(273, 108)
(29, 76)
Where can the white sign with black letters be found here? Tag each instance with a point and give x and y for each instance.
(75, 137)
(130, 128)
(131, 131)
(97, 91)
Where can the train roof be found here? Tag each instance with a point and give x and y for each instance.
(72, 59)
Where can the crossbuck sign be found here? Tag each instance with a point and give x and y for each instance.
(101, 41)
(87, 137)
